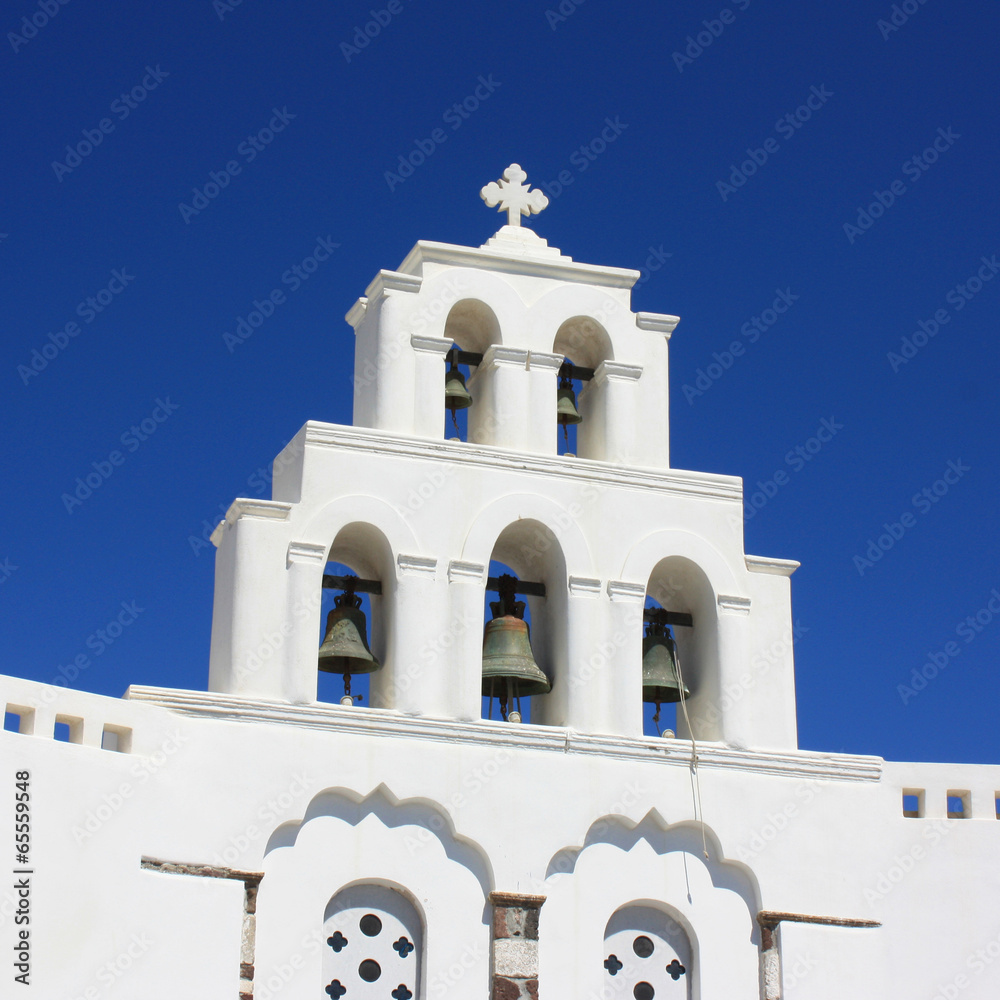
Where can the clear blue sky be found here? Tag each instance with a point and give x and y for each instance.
(173, 92)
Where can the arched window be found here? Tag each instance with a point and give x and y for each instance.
(373, 945)
(647, 955)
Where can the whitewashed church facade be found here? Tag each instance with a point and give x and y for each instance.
(250, 841)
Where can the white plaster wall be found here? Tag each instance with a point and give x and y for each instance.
(449, 811)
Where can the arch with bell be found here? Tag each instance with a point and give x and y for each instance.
(685, 575)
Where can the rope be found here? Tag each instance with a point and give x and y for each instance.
(694, 760)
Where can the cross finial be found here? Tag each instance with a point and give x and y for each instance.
(513, 195)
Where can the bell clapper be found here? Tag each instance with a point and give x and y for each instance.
(656, 719)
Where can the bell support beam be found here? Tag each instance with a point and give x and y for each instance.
(664, 617)
(354, 583)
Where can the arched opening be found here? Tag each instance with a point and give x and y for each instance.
(528, 552)
(680, 594)
(584, 340)
(586, 346)
(353, 647)
(373, 944)
(472, 326)
(647, 954)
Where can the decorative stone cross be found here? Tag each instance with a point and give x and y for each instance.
(514, 196)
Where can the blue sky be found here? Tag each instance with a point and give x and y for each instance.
(840, 160)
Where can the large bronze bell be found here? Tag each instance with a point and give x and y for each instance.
(456, 396)
(566, 411)
(509, 669)
(660, 680)
(345, 646)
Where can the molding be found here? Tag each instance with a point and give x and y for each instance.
(734, 605)
(582, 586)
(621, 590)
(306, 552)
(357, 312)
(616, 371)
(430, 345)
(773, 567)
(675, 482)
(466, 572)
(392, 281)
(264, 510)
(516, 261)
(416, 565)
(498, 356)
(657, 322)
(358, 721)
(528, 901)
(544, 361)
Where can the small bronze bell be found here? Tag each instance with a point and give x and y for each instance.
(345, 646)
(456, 396)
(660, 681)
(566, 411)
(509, 668)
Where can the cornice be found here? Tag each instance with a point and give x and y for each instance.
(357, 721)
(671, 481)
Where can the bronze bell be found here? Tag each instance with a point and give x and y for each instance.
(345, 647)
(509, 669)
(660, 680)
(456, 396)
(566, 411)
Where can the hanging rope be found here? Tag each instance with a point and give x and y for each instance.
(700, 817)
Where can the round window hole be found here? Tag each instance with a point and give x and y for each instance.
(643, 991)
(642, 946)
(369, 970)
(370, 925)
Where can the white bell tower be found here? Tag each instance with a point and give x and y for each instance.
(423, 514)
